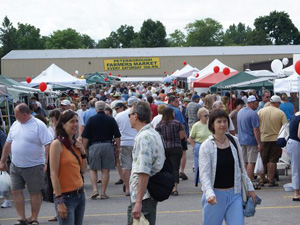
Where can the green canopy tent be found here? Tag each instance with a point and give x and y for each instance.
(97, 78)
(233, 81)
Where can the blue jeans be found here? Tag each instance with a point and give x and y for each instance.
(76, 205)
(196, 161)
(229, 206)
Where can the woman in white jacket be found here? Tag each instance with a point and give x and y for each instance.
(220, 175)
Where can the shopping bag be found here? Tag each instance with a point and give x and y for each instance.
(5, 183)
(141, 221)
(259, 166)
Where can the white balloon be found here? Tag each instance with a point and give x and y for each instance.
(276, 66)
(76, 72)
(194, 74)
(285, 61)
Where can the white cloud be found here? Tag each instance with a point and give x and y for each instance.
(98, 18)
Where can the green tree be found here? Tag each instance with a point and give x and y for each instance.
(152, 34)
(87, 41)
(278, 27)
(236, 35)
(257, 37)
(110, 42)
(207, 32)
(64, 39)
(8, 37)
(126, 36)
(177, 39)
(29, 37)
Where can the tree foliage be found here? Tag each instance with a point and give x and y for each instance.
(177, 39)
(207, 32)
(29, 37)
(278, 27)
(8, 36)
(152, 34)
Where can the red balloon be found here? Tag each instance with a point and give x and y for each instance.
(105, 79)
(165, 72)
(216, 69)
(119, 75)
(184, 63)
(43, 86)
(197, 75)
(226, 71)
(109, 74)
(28, 79)
(174, 81)
(297, 67)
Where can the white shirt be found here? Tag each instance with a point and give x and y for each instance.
(156, 120)
(127, 133)
(27, 142)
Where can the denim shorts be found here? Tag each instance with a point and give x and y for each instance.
(76, 206)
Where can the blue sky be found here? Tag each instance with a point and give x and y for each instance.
(98, 18)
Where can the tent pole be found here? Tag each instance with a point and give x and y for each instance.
(8, 113)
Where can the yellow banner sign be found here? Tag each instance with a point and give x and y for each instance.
(131, 64)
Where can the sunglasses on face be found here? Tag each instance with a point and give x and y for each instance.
(83, 105)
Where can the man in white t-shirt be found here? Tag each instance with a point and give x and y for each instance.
(127, 141)
(28, 141)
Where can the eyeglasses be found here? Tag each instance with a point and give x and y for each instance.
(206, 116)
(83, 105)
(131, 114)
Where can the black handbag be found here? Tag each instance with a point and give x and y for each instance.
(160, 185)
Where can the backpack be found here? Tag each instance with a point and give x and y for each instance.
(161, 184)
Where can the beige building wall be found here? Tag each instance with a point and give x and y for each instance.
(19, 69)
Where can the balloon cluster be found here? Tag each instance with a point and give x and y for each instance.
(277, 65)
(226, 70)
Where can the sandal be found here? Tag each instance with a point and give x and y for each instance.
(21, 222)
(261, 184)
(104, 196)
(174, 193)
(95, 195)
(53, 219)
(296, 199)
(273, 184)
(34, 222)
(256, 186)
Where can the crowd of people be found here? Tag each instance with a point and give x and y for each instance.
(134, 128)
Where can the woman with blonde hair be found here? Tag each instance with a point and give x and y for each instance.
(199, 134)
(208, 102)
(225, 101)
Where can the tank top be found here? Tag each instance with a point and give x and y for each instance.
(69, 175)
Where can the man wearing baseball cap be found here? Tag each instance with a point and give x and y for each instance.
(271, 119)
(249, 134)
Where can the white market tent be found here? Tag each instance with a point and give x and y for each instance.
(209, 69)
(185, 71)
(55, 75)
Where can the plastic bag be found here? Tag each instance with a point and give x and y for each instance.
(259, 166)
(5, 183)
(141, 221)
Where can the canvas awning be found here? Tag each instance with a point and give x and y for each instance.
(212, 79)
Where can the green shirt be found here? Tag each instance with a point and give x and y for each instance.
(200, 132)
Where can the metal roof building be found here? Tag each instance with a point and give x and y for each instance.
(133, 62)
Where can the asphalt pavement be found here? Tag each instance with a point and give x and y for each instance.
(277, 207)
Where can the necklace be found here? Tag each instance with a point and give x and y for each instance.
(221, 142)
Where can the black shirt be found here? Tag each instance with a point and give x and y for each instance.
(101, 127)
(294, 123)
(225, 169)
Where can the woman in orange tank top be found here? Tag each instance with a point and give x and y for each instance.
(67, 165)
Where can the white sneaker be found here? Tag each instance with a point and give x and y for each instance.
(6, 204)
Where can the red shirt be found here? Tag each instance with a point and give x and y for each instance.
(153, 110)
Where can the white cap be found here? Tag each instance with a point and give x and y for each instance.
(275, 98)
(65, 102)
(252, 98)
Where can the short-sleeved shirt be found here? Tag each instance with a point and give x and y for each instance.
(247, 120)
(288, 109)
(200, 132)
(27, 142)
(295, 103)
(170, 133)
(87, 114)
(271, 120)
(178, 114)
(233, 117)
(101, 128)
(148, 157)
(191, 112)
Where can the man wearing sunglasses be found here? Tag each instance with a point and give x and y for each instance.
(265, 98)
